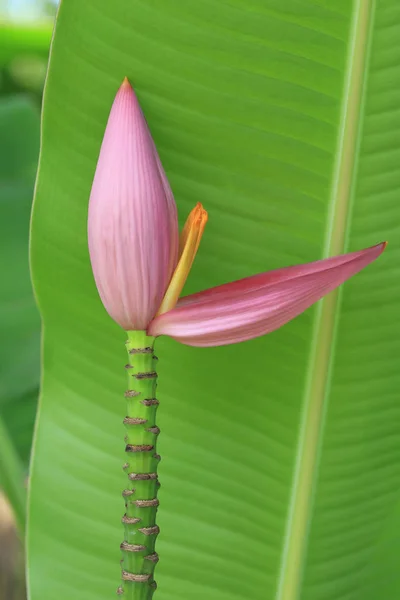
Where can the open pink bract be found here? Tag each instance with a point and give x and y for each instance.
(257, 305)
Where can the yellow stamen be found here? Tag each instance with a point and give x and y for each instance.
(189, 242)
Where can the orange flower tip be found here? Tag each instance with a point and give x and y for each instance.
(200, 214)
(189, 243)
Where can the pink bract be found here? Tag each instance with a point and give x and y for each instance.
(132, 224)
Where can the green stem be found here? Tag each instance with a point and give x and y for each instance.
(138, 547)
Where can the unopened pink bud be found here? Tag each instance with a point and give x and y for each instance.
(132, 226)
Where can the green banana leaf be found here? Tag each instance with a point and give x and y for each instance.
(280, 472)
(19, 318)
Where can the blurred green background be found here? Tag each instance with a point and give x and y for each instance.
(25, 32)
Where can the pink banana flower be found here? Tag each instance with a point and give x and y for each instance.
(140, 264)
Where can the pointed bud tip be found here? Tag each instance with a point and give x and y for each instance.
(125, 89)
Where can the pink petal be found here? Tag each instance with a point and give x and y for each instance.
(257, 305)
(132, 226)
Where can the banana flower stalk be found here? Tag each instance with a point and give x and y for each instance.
(140, 265)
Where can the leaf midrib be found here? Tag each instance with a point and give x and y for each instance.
(322, 345)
